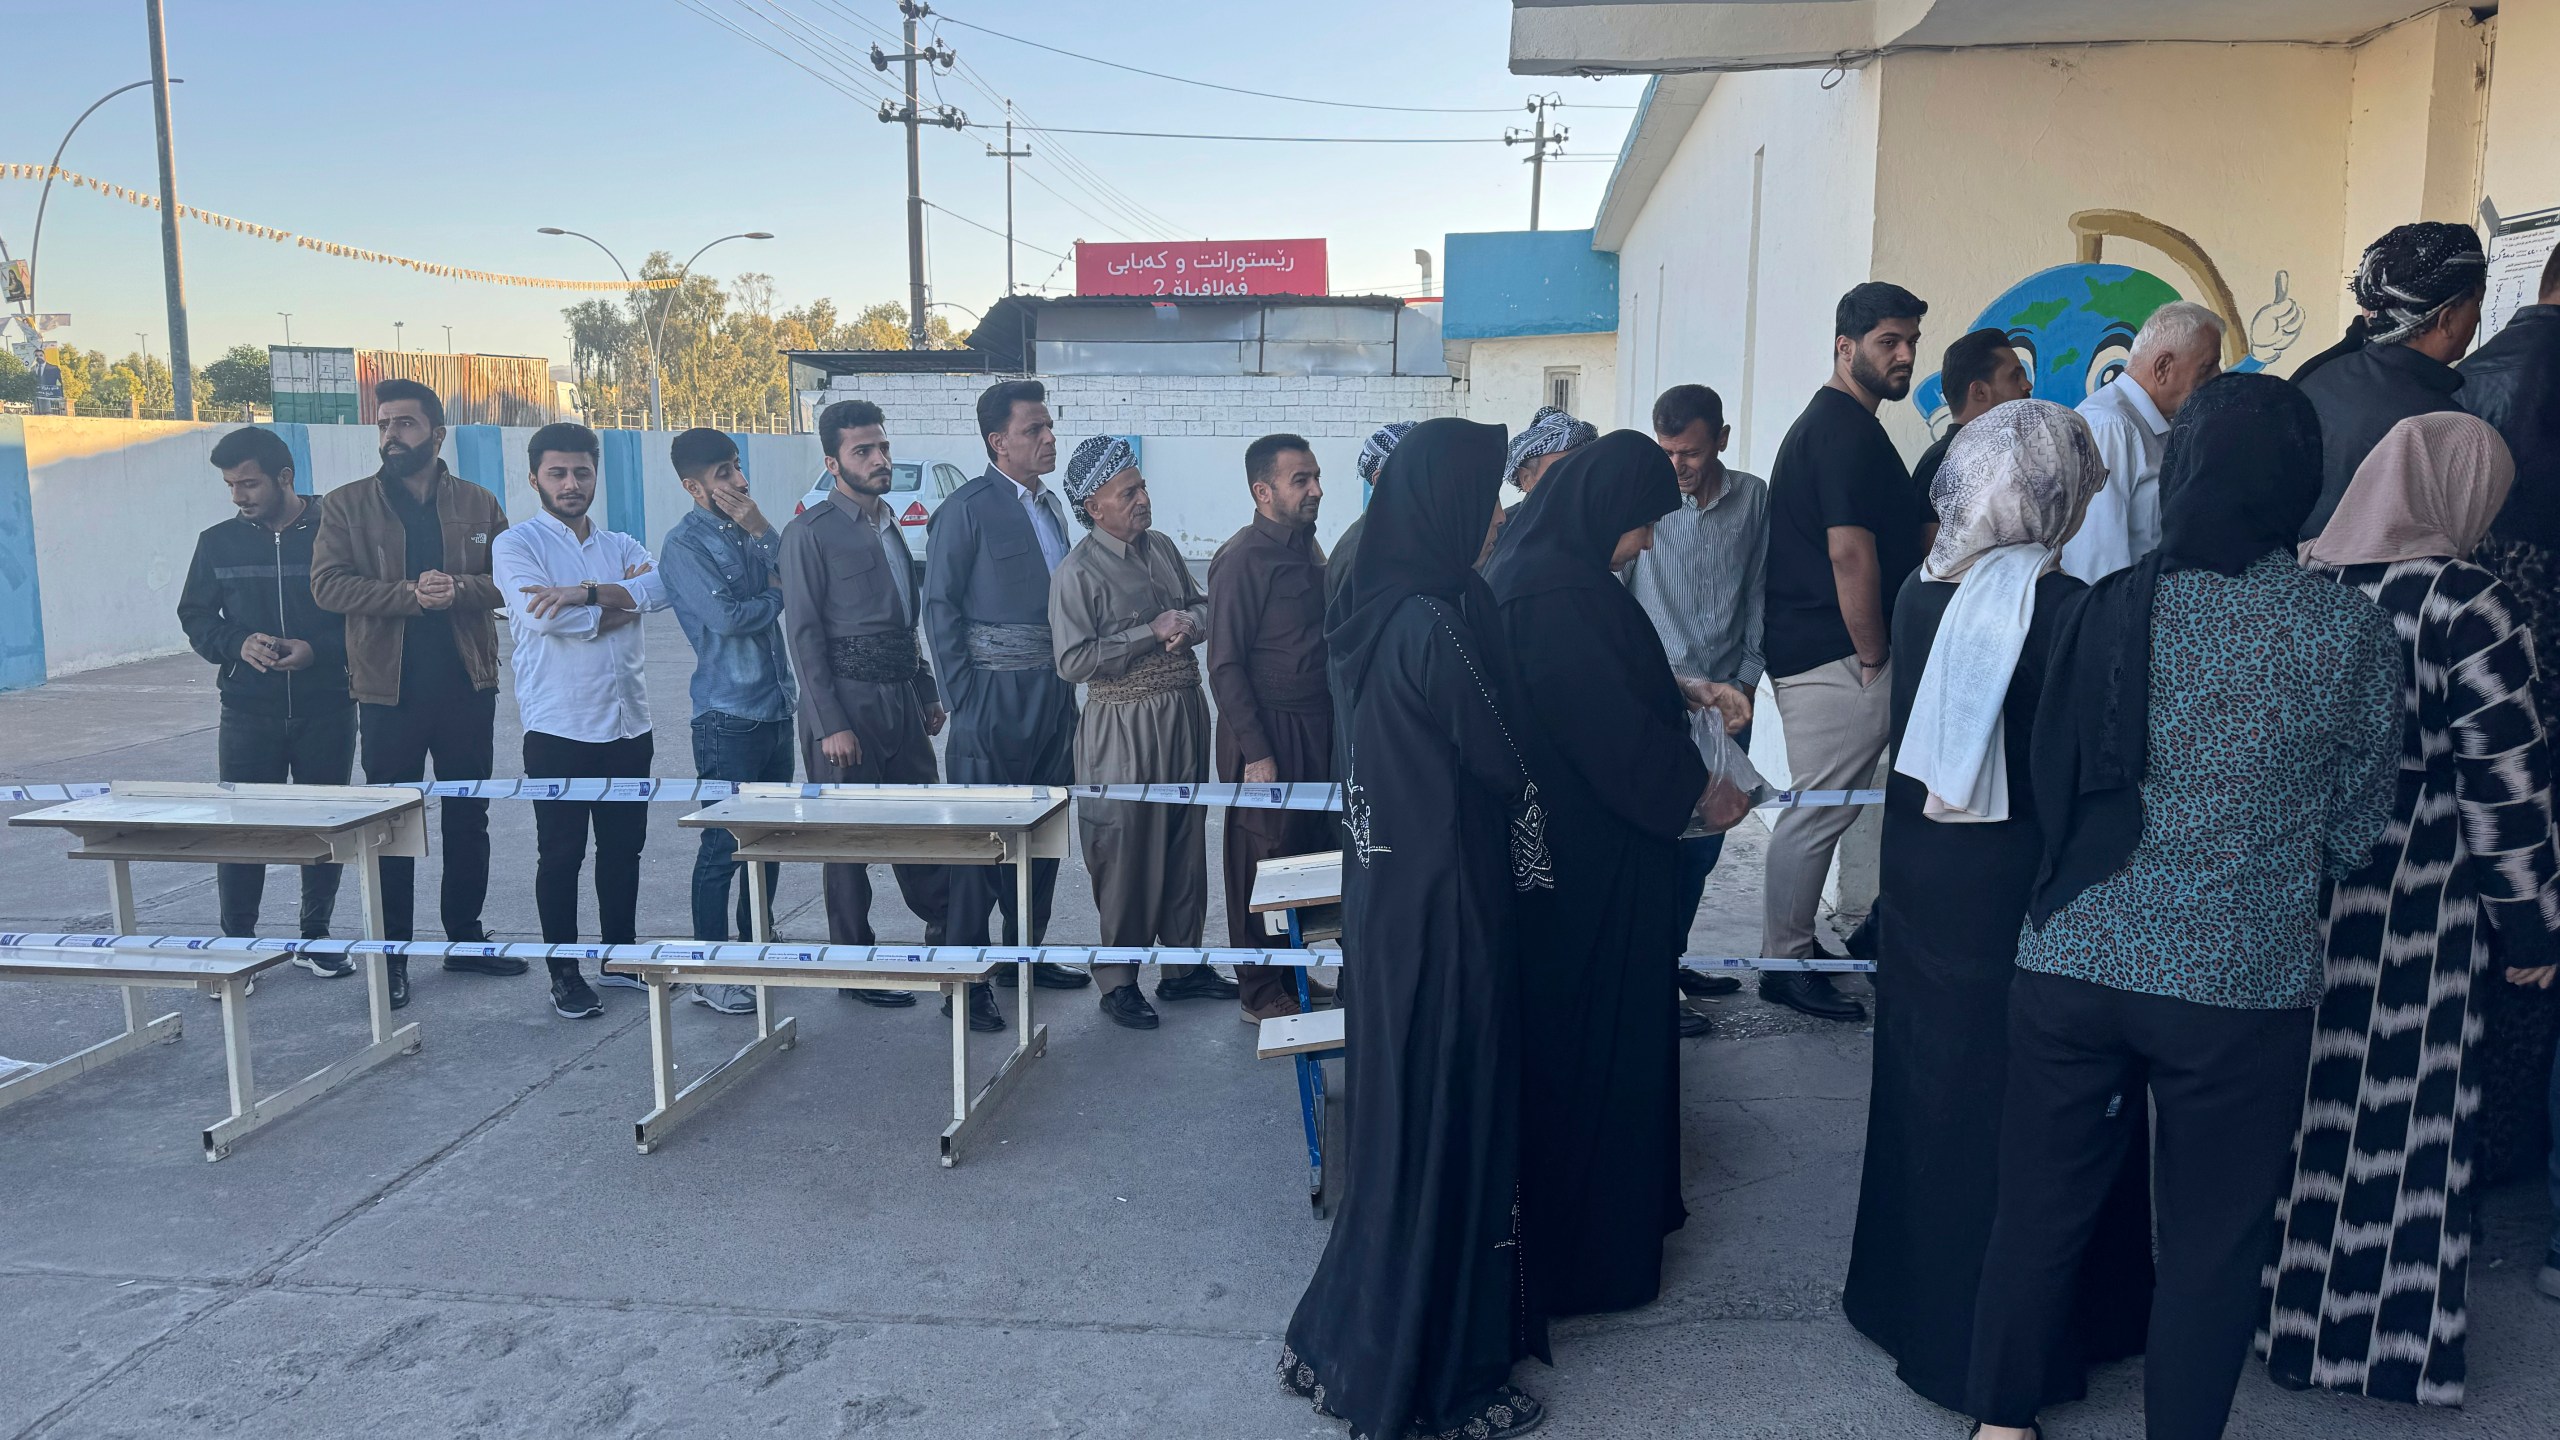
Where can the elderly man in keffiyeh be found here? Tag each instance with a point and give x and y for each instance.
(2420, 288)
(1373, 463)
(1550, 435)
(1125, 617)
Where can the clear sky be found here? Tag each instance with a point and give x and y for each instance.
(448, 131)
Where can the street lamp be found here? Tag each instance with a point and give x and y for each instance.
(448, 339)
(288, 325)
(398, 340)
(656, 332)
(35, 242)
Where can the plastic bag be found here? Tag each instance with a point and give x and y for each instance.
(1734, 784)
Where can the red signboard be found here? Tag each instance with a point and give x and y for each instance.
(1201, 269)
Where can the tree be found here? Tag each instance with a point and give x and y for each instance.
(241, 377)
(17, 380)
(722, 346)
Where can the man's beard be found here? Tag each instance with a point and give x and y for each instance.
(1875, 383)
(402, 461)
(565, 515)
(872, 483)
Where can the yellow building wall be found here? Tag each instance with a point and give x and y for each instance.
(2520, 159)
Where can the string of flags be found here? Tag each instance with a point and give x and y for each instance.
(148, 201)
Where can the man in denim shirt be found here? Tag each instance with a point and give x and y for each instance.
(721, 568)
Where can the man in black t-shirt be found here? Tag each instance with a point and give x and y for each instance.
(1845, 530)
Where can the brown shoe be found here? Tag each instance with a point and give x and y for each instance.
(1268, 1010)
(1318, 993)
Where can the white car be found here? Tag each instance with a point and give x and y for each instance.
(910, 495)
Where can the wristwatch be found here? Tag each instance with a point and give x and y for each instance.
(591, 593)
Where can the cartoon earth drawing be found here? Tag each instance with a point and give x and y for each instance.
(2073, 325)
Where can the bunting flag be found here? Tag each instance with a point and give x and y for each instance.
(148, 201)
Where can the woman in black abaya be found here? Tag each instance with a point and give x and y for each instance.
(1417, 1310)
(1600, 1109)
(1961, 849)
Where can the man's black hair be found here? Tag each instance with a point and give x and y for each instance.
(1682, 406)
(566, 436)
(1975, 355)
(2550, 279)
(253, 443)
(700, 449)
(995, 407)
(1867, 306)
(853, 415)
(1262, 457)
(400, 388)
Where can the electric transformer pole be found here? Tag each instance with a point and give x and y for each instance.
(1542, 144)
(891, 113)
(1008, 154)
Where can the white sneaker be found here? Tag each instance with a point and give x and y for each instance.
(727, 999)
(620, 982)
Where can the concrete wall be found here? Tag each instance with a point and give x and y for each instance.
(1507, 379)
(2520, 160)
(1688, 308)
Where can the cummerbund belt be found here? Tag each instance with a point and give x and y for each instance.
(888, 658)
(1157, 672)
(1010, 647)
(1290, 689)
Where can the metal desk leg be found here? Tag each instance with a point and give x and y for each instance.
(250, 1113)
(237, 1066)
(124, 922)
(31, 1083)
(1310, 1081)
(377, 969)
(1023, 932)
(772, 1038)
(1034, 1041)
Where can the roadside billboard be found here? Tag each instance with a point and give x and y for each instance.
(1201, 269)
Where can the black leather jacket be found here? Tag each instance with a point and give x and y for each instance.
(246, 580)
(2360, 396)
(2513, 382)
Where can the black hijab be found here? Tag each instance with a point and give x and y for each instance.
(2241, 475)
(1421, 535)
(1565, 533)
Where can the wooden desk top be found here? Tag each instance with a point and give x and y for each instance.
(983, 809)
(1293, 882)
(197, 805)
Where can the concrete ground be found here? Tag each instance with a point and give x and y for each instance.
(464, 1243)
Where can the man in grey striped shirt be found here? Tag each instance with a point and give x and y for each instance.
(1701, 584)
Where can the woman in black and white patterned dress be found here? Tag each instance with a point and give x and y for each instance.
(2367, 1293)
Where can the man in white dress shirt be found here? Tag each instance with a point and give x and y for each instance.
(2177, 350)
(576, 591)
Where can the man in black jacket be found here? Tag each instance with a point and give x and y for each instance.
(286, 714)
(2420, 288)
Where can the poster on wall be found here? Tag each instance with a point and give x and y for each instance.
(2517, 254)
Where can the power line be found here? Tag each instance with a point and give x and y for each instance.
(1283, 139)
(1239, 90)
(832, 82)
(990, 229)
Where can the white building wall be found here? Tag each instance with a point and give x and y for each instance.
(1686, 312)
(1507, 377)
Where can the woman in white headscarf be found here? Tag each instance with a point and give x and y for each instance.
(1961, 850)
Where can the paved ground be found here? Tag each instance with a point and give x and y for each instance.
(464, 1243)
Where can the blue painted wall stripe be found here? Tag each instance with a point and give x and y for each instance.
(21, 597)
(625, 504)
(297, 438)
(480, 456)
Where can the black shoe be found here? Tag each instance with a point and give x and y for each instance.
(1809, 992)
(1200, 982)
(885, 999)
(571, 997)
(1692, 1024)
(983, 1014)
(327, 967)
(1700, 985)
(397, 967)
(486, 964)
(1125, 1006)
(1861, 943)
(1045, 975)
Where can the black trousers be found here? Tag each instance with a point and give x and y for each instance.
(560, 835)
(974, 888)
(459, 731)
(889, 724)
(2226, 1096)
(273, 749)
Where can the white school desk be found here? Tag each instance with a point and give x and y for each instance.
(199, 823)
(973, 825)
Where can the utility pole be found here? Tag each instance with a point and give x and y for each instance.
(288, 327)
(1540, 143)
(448, 339)
(1009, 155)
(181, 374)
(915, 120)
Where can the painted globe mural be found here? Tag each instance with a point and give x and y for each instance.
(2073, 326)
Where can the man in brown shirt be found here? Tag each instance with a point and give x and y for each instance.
(404, 555)
(1266, 671)
(868, 707)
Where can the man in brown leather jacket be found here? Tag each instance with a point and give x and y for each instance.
(404, 555)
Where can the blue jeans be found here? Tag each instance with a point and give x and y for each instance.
(731, 747)
(1698, 859)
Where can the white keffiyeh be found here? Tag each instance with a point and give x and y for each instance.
(2013, 488)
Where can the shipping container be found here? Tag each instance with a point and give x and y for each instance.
(476, 389)
(313, 384)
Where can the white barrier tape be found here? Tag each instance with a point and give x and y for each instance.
(935, 960)
(689, 792)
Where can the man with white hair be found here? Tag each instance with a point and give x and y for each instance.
(2178, 349)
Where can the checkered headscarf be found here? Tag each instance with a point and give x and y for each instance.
(2407, 277)
(1373, 455)
(1095, 461)
(1551, 431)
